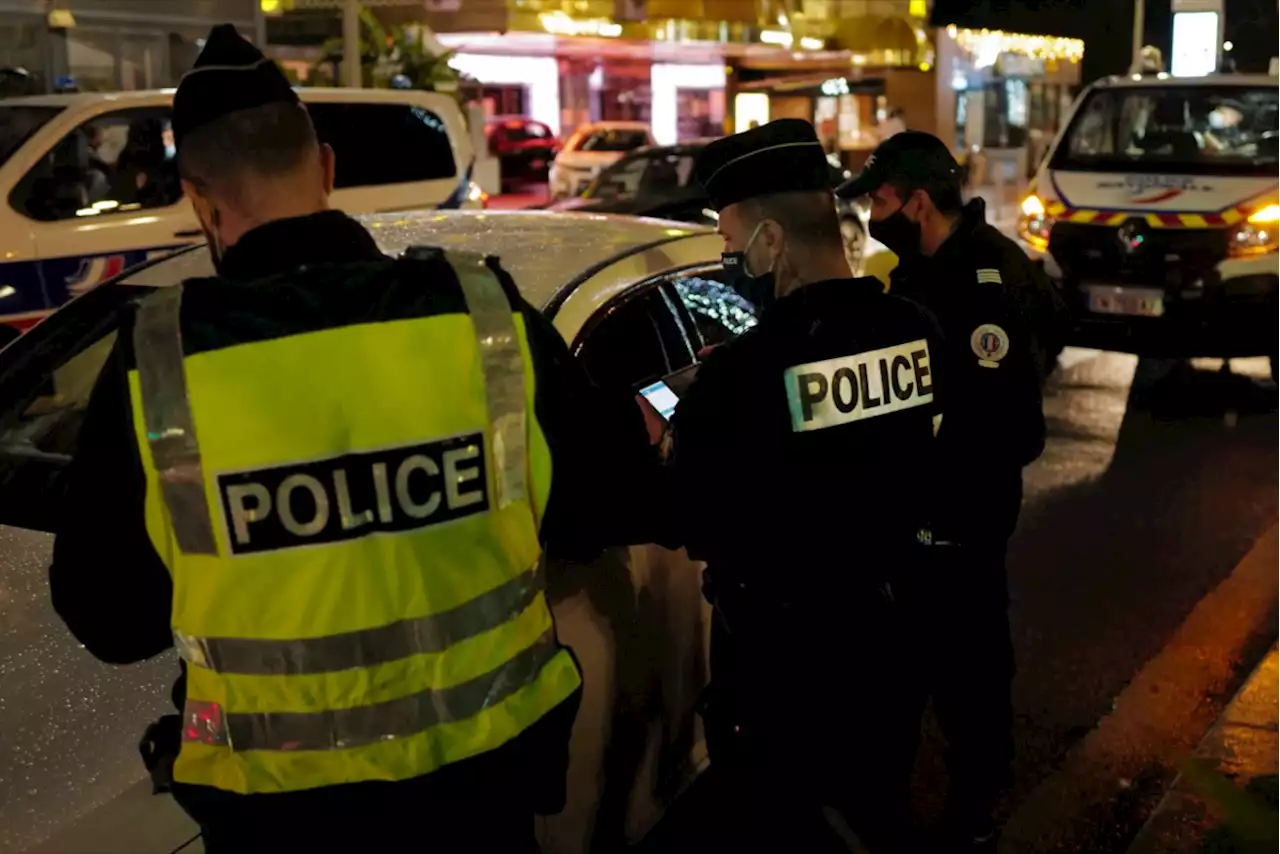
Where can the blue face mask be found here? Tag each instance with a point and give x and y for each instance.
(757, 290)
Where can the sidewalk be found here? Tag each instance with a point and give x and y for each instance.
(1243, 747)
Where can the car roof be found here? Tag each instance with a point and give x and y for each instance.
(543, 250)
(1168, 81)
(594, 126)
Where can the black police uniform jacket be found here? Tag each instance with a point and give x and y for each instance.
(113, 591)
(803, 451)
(1003, 321)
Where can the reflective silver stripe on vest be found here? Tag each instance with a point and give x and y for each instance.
(367, 647)
(171, 432)
(336, 729)
(503, 365)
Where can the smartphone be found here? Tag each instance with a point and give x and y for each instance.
(661, 398)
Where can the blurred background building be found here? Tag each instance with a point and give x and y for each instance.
(102, 45)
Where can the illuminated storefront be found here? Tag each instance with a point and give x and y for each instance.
(1005, 91)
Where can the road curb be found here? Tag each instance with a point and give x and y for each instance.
(1243, 744)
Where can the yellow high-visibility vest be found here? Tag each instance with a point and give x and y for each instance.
(355, 560)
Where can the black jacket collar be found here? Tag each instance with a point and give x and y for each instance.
(284, 245)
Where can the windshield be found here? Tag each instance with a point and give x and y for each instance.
(1203, 130)
(612, 140)
(643, 175)
(17, 123)
(524, 131)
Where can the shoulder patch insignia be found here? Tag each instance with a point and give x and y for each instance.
(990, 344)
(989, 276)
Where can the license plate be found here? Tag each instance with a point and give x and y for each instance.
(1137, 302)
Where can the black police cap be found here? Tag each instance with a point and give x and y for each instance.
(230, 74)
(911, 156)
(782, 156)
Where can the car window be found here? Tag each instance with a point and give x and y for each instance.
(666, 174)
(613, 139)
(522, 131)
(620, 181)
(46, 378)
(1176, 130)
(115, 163)
(17, 124)
(379, 144)
(635, 339)
(718, 311)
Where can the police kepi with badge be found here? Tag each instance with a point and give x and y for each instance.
(802, 454)
(1002, 320)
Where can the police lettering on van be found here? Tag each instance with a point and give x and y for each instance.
(354, 495)
(851, 388)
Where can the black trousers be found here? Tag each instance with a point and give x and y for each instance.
(804, 716)
(968, 672)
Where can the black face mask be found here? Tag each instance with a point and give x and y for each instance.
(757, 290)
(898, 232)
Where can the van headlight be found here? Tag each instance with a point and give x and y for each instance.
(1035, 223)
(1257, 235)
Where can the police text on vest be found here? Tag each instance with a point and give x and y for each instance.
(354, 495)
(851, 388)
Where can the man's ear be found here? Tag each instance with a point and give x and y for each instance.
(201, 204)
(771, 234)
(328, 164)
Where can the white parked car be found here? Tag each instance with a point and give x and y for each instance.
(590, 149)
(635, 298)
(88, 184)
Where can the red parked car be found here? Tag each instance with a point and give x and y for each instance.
(524, 148)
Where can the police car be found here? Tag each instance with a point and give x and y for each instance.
(88, 185)
(635, 298)
(1157, 209)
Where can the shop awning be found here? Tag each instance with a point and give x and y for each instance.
(874, 34)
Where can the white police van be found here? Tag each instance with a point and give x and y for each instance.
(88, 185)
(1157, 209)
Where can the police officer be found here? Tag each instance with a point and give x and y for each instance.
(325, 476)
(1002, 323)
(802, 457)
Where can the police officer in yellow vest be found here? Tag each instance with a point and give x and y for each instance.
(325, 477)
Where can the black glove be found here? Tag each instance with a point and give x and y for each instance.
(159, 748)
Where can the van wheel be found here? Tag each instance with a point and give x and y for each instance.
(855, 241)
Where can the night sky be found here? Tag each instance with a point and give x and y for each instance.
(1106, 26)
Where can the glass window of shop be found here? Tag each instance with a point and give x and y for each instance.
(103, 60)
(23, 56)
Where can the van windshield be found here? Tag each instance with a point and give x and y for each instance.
(1227, 130)
(18, 123)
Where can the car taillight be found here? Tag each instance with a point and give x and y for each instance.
(1257, 235)
(1035, 223)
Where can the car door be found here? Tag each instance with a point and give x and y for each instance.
(103, 198)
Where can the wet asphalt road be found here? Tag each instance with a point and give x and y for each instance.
(1157, 479)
